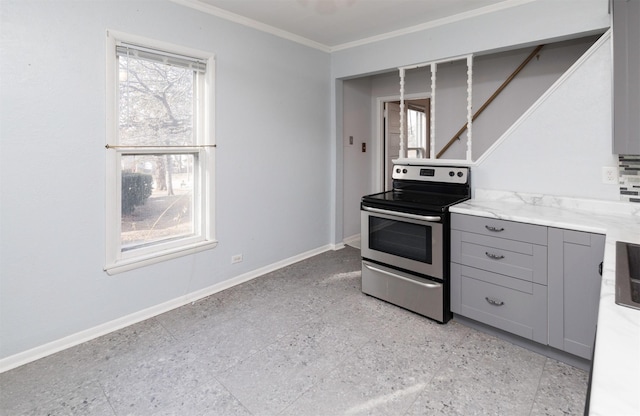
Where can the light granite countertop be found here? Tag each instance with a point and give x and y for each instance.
(616, 365)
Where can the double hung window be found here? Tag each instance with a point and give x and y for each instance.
(160, 152)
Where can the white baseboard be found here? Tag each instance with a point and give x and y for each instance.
(353, 241)
(338, 246)
(69, 341)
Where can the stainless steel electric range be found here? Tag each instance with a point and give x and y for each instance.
(405, 238)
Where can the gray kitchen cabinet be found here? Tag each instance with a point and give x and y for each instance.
(499, 274)
(510, 304)
(509, 230)
(541, 283)
(574, 289)
(626, 77)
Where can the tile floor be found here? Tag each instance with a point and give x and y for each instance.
(302, 340)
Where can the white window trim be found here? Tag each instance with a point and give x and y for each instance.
(116, 262)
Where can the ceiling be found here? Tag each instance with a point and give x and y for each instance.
(338, 24)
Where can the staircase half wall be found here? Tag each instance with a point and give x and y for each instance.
(559, 146)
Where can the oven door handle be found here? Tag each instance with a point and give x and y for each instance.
(375, 269)
(430, 218)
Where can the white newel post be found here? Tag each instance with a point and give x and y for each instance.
(432, 124)
(469, 104)
(403, 149)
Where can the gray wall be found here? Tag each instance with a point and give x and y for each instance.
(288, 160)
(489, 71)
(273, 156)
(526, 25)
(358, 165)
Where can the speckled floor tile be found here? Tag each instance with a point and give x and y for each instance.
(141, 337)
(483, 376)
(301, 340)
(285, 317)
(324, 278)
(37, 384)
(382, 377)
(88, 399)
(269, 381)
(562, 390)
(189, 319)
(362, 313)
(300, 306)
(226, 344)
(259, 298)
(412, 327)
(210, 399)
(58, 375)
(324, 265)
(387, 374)
(303, 293)
(173, 380)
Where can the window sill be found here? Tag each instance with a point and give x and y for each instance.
(124, 265)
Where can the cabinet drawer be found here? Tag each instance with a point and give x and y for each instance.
(402, 289)
(535, 234)
(512, 310)
(517, 259)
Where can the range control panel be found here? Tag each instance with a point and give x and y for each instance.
(447, 174)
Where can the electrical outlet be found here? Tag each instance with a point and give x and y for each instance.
(609, 175)
(351, 140)
(236, 259)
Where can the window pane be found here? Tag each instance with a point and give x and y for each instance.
(155, 103)
(157, 198)
(416, 134)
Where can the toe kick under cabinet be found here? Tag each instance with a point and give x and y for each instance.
(534, 281)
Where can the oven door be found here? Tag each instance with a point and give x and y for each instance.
(406, 241)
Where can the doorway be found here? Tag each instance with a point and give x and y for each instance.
(417, 126)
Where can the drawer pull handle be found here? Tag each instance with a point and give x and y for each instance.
(494, 302)
(494, 256)
(494, 229)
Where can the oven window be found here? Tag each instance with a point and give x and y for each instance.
(404, 239)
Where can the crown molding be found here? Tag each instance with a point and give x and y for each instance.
(507, 4)
(254, 24)
(245, 21)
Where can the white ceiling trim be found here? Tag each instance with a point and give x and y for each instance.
(216, 11)
(224, 14)
(434, 23)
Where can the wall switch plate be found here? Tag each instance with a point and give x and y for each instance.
(610, 175)
(236, 259)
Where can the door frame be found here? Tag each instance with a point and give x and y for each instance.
(378, 153)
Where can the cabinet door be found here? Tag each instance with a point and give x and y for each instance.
(574, 289)
(513, 305)
(626, 77)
